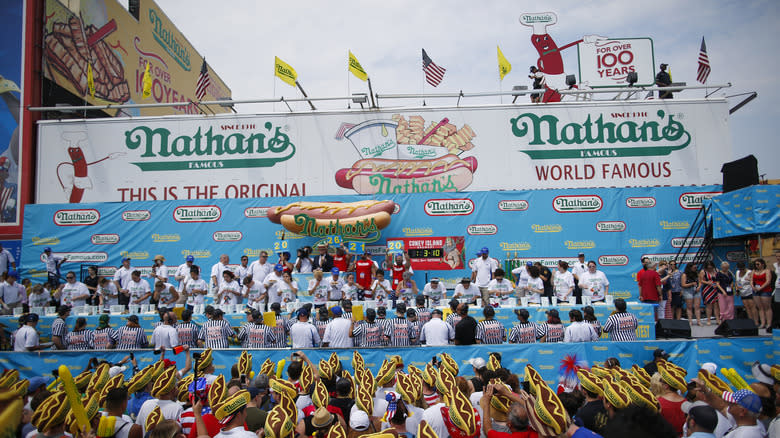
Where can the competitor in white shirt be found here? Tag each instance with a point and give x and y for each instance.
(271, 283)
(72, 293)
(594, 283)
(336, 283)
(534, 289)
(350, 289)
(521, 276)
(39, 296)
(254, 292)
(563, 281)
(406, 289)
(229, 290)
(435, 292)
(138, 289)
(482, 270)
(288, 288)
(467, 290)
(499, 288)
(319, 288)
(243, 269)
(165, 294)
(182, 274)
(109, 295)
(381, 289)
(196, 288)
(218, 269)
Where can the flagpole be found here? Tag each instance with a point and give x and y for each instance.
(371, 92)
(305, 95)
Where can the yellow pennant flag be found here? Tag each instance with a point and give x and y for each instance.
(90, 80)
(146, 91)
(285, 71)
(356, 68)
(504, 67)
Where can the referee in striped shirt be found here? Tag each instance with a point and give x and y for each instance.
(282, 328)
(367, 333)
(423, 313)
(398, 330)
(81, 338)
(132, 336)
(59, 330)
(621, 325)
(186, 330)
(490, 331)
(523, 332)
(255, 334)
(215, 332)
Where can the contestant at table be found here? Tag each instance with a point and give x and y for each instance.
(288, 288)
(40, 296)
(381, 289)
(467, 290)
(351, 290)
(621, 325)
(406, 289)
(521, 275)
(435, 292)
(564, 281)
(319, 288)
(335, 283)
(254, 292)
(138, 289)
(535, 287)
(229, 290)
(196, 288)
(500, 288)
(165, 294)
(73, 293)
(107, 294)
(594, 283)
(271, 283)
(436, 332)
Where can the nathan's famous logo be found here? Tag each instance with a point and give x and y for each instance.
(256, 212)
(613, 260)
(546, 228)
(67, 218)
(674, 225)
(83, 257)
(417, 231)
(481, 229)
(197, 213)
(577, 204)
(449, 207)
(135, 255)
(167, 39)
(406, 156)
(630, 139)
(136, 215)
(45, 240)
(644, 243)
(104, 239)
(359, 221)
(198, 253)
(640, 202)
(209, 150)
(227, 236)
(579, 244)
(694, 200)
(691, 242)
(687, 258)
(514, 246)
(165, 238)
(513, 205)
(286, 235)
(610, 226)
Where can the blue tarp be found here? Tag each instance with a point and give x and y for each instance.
(751, 210)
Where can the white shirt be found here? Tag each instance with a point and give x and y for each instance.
(5, 260)
(504, 287)
(39, 300)
(305, 265)
(25, 338)
(756, 431)
(241, 273)
(484, 269)
(165, 293)
(349, 291)
(260, 271)
(381, 291)
(271, 283)
(578, 268)
(110, 295)
(193, 285)
(123, 276)
(12, 293)
(537, 284)
(217, 270)
(304, 335)
(285, 291)
(236, 432)
(335, 285)
(436, 294)
(436, 332)
(593, 285)
(226, 292)
(71, 292)
(470, 293)
(522, 276)
(433, 417)
(162, 272)
(165, 336)
(138, 289)
(254, 291)
(170, 411)
(579, 331)
(51, 263)
(563, 281)
(337, 333)
(319, 290)
(183, 271)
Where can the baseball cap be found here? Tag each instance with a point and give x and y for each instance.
(465, 280)
(303, 312)
(477, 362)
(32, 317)
(279, 267)
(434, 280)
(659, 352)
(336, 310)
(582, 254)
(13, 274)
(103, 321)
(704, 416)
(529, 263)
(47, 249)
(358, 420)
(484, 250)
(334, 271)
(745, 398)
(190, 258)
(35, 383)
(114, 370)
(125, 259)
(132, 318)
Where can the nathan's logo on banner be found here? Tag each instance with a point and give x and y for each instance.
(547, 228)
(580, 244)
(83, 257)
(610, 226)
(286, 235)
(694, 200)
(629, 138)
(513, 205)
(688, 258)
(359, 221)
(674, 225)
(736, 256)
(515, 246)
(166, 37)
(198, 253)
(227, 236)
(691, 242)
(644, 243)
(641, 202)
(449, 207)
(165, 238)
(197, 213)
(104, 239)
(69, 218)
(417, 231)
(45, 240)
(209, 150)
(613, 260)
(481, 229)
(135, 255)
(256, 212)
(577, 204)
(136, 215)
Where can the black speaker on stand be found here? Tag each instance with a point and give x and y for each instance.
(740, 173)
(737, 327)
(672, 328)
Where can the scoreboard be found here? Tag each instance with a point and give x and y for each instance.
(431, 253)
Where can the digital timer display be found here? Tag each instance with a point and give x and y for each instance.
(423, 253)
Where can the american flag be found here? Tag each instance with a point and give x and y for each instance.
(433, 73)
(203, 82)
(704, 63)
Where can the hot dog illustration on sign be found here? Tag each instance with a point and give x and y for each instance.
(359, 221)
(550, 61)
(402, 155)
(74, 178)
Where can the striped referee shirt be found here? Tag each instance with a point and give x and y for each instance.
(423, 315)
(490, 332)
(254, 335)
(131, 338)
(281, 331)
(347, 315)
(320, 327)
(215, 333)
(453, 319)
(368, 334)
(621, 326)
(188, 333)
(596, 326)
(554, 332)
(105, 338)
(59, 328)
(523, 333)
(416, 326)
(400, 332)
(81, 340)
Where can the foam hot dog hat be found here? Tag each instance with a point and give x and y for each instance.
(91, 408)
(590, 382)
(413, 370)
(533, 378)
(231, 405)
(549, 410)
(183, 387)
(353, 217)
(713, 382)
(493, 363)
(324, 369)
(641, 374)
(445, 383)
(776, 372)
(99, 378)
(336, 431)
(140, 379)
(346, 375)
(165, 383)
(267, 367)
(320, 397)
(672, 377)
(424, 430)
(430, 374)
(51, 412)
(462, 413)
(639, 394)
(11, 407)
(358, 363)
(282, 419)
(283, 387)
(386, 372)
(20, 388)
(600, 371)
(217, 392)
(364, 399)
(615, 394)
(500, 402)
(307, 379)
(245, 363)
(206, 358)
(449, 364)
(8, 378)
(406, 387)
(112, 383)
(335, 363)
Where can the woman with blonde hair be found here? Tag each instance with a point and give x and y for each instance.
(725, 281)
(744, 279)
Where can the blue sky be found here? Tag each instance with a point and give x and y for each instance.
(240, 38)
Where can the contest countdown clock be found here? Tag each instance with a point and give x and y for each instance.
(431, 253)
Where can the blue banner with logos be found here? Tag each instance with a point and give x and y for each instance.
(614, 227)
(750, 210)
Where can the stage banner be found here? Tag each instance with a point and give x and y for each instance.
(608, 62)
(750, 210)
(12, 18)
(613, 227)
(381, 153)
(553, 361)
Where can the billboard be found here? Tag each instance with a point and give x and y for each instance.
(104, 38)
(607, 62)
(424, 150)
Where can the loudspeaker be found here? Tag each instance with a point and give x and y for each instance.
(672, 328)
(740, 173)
(737, 327)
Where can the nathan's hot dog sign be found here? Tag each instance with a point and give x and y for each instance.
(607, 63)
(361, 221)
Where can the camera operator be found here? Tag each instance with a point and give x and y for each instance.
(303, 263)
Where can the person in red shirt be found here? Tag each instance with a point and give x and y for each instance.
(650, 285)
(342, 258)
(645, 261)
(364, 274)
(400, 264)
